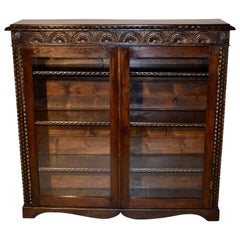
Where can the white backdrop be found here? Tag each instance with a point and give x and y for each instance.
(66, 226)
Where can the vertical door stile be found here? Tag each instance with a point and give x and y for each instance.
(210, 118)
(114, 127)
(124, 82)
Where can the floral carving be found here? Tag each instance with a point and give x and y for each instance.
(38, 38)
(178, 37)
(105, 37)
(82, 37)
(59, 37)
(154, 37)
(202, 37)
(131, 37)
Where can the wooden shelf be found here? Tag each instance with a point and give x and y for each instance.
(132, 124)
(165, 124)
(168, 74)
(72, 73)
(132, 74)
(132, 170)
(165, 170)
(75, 170)
(71, 123)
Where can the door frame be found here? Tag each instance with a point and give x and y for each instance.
(210, 52)
(88, 51)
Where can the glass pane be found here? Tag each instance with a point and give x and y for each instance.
(72, 119)
(166, 162)
(168, 100)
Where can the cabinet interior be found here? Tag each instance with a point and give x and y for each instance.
(167, 112)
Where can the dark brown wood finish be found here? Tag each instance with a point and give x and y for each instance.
(210, 124)
(55, 140)
(115, 128)
(121, 115)
(124, 129)
(31, 143)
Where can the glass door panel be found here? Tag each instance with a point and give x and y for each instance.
(166, 162)
(74, 160)
(168, 100)
(73, 124)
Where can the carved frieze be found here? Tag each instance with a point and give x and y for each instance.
(156, 37)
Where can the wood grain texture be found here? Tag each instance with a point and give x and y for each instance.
(59, 95)
(168, 95)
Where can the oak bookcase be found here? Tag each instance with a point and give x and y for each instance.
(121, 116)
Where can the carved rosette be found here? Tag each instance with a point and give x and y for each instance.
(224, 37)
(143, 36)
(17, 38)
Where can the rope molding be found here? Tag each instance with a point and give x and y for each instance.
(71, 123)
(79, 170)
(169, 74)
(22, 125)
(218, 128)
(132, 124)
(70, 73)
(167, 170)
(133, 170)
(162, 124)
(133, 74)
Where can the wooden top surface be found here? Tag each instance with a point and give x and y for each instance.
(110, 23)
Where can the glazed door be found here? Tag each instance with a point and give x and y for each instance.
(167, 125)
(73, 126)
